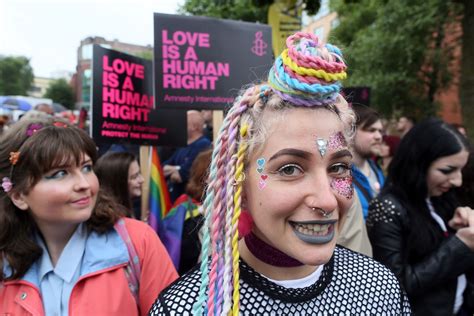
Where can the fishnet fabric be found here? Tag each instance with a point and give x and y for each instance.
(350, 284)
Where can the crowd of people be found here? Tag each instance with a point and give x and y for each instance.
(301, 204)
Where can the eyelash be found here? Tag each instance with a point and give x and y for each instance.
(61, 173)
(88, 166)
(446, 171)
(346, 169)
(56, 175)
(336, 169)
(295, 166)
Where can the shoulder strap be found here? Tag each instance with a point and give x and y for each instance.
(133, 270)
(362, 189)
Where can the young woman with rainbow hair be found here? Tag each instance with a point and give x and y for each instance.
(278, 189)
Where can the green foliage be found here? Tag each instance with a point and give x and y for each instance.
(145, 55)
(399, 49)
(61, 92)
(310, 6)
(244, 10)
(16, 75)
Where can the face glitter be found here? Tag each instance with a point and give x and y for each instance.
(322, 146)
(343, 187)
(337, 141)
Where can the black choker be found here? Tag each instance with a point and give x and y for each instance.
(268, 254)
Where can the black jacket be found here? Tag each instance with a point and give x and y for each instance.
(430, 281)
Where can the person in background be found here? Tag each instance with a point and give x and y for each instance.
(119, 174)
(353, 234)
(65, 249)
(461, 129)
(404, 124)
(176, 168)
(282, 158)
(387, 151)
(417, 227)
(33, 115)
(45, 108)
(180, 230)
(208, 130)
(367, 175)
(465, 193)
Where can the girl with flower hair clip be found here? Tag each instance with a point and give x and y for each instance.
(65, 247)
(278, 189)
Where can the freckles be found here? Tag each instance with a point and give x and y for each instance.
(343, 187)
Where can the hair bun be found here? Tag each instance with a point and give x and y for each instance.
(308, 72)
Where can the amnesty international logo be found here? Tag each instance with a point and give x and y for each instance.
(259, 47)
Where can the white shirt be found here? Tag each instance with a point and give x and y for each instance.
(300, 283)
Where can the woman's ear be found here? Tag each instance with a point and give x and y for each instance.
(19, 200)
(243, 202)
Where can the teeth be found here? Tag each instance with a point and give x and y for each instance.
(312, 229)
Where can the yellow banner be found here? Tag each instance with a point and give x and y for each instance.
(284, 16)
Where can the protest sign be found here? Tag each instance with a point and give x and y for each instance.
(359, 95)
(123, 108)
(201, 63)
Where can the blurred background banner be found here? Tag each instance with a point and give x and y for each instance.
(284, 16)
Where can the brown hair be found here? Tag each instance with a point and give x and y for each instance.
(365, 116)
(198, 175)
(112, 171)
(50, 146)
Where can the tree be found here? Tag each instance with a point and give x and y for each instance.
(245, 10)
(148, 55)
(466, 87)
(16, 75)
(400, 49)
(61, 92)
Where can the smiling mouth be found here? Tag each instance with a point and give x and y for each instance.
(82, 201)
(314, 228)
(314, 232)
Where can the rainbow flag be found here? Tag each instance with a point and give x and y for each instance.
(160, 202)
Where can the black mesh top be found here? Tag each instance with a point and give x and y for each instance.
(350, 284)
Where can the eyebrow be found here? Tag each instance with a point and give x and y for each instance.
(341, 154)
(291, 152)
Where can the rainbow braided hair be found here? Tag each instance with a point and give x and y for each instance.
(303, 76)
(307, 73)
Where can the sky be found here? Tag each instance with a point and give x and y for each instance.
(48, 32)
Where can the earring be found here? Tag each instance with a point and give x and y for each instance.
(245, 224)
(324, 213)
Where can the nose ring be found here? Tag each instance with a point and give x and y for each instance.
(324, 213)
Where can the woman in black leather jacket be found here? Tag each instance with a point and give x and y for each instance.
(418, 229)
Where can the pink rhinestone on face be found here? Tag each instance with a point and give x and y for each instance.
(337, 141)
(343, 186)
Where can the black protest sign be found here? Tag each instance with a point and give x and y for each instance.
(202, 63)
(359, 95)
(123, 103)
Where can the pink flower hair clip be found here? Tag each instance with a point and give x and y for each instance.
(33, 128)
(60, 124)
(6, 184)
